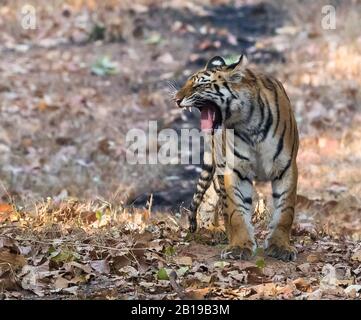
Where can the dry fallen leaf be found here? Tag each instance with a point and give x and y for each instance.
(312, 258)
(183, 260)
(121, 261)
(356, 256)
(61, 283)
(72, 290)
(197, 294)
(129, 271)
(302, 284)
(7, 213)
(8, 284)
(287, 291)
(33, 278)
(69, 266)
(14, 260)
(304, 267)
(202, 277)
(353, 290)
(266, 289)
(101, 266)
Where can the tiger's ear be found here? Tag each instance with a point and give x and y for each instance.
(240, 64)
(236, 69)
(215, 62)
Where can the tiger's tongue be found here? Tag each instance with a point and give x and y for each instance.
(208, 116)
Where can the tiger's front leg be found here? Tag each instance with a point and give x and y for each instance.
(284, 191)
(237, 211)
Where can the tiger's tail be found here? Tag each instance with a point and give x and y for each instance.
(203, 184)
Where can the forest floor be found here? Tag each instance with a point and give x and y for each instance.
(78, 222)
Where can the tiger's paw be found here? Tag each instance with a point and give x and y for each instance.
(280, 249)
(237, 252)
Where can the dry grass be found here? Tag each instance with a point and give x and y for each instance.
(92, 250)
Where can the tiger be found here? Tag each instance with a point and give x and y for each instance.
(258, 111)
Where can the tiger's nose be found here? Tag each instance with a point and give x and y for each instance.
(178, 101)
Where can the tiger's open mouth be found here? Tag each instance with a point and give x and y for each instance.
(211, 117)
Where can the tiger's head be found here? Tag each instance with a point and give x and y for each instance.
(212, 90)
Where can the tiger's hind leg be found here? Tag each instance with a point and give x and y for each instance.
(237, 212)
(284, 192)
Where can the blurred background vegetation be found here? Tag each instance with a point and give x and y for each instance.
(72, 87)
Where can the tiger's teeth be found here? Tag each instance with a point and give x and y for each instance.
(184, 108)
(190, 108)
